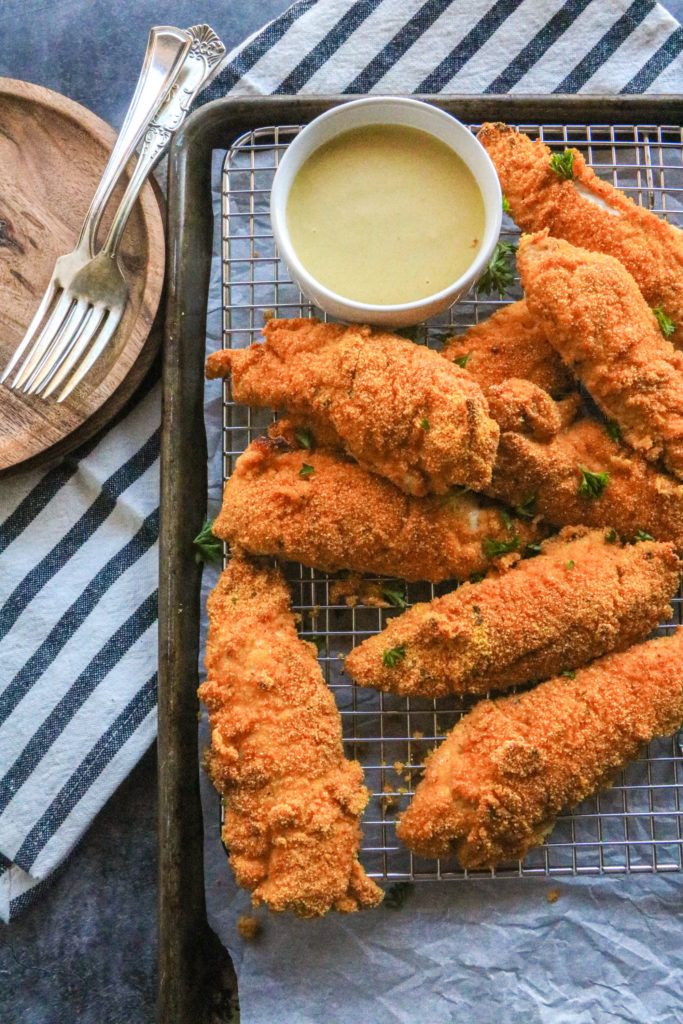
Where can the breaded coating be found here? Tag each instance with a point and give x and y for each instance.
(525, 408)
(596, 318)
(547, 479)
(398, 408)
(589, 212)
(293, 801)
(511, 343)
(580, 598)
(495, 786)
(336, 515)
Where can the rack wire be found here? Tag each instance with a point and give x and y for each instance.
(637, 825)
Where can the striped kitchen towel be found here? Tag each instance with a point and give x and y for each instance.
(78, 572)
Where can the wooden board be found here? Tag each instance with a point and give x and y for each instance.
(52, 153)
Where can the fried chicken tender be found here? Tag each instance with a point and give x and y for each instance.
(580, 598)
(591, 213)
(337, 515)
(511, 343)
(595, 316)
(497, 783)
(524, 408)
(398, 408)
(546, 478)
(293, 800)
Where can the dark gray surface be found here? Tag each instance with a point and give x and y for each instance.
(86, 950)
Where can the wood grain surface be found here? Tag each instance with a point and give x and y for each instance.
(52, 153)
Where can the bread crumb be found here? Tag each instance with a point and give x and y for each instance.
(398, 767)
(417, 734)
(553, 895)
(248, 927)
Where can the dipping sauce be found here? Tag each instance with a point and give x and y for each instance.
(385, 214)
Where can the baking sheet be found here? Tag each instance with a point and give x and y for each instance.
(603, 950)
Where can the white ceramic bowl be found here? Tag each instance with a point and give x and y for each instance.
(386, 110)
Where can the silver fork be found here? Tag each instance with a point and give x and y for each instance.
(98, 292)
(85, 289)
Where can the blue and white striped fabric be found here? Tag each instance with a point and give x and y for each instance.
(78, 558)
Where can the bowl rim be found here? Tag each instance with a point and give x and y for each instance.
(278, 217)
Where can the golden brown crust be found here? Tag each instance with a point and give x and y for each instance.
(398, 408)
(579, 599)
(649, 247)
(636, 497)
(511, 343)
(340, 516)
(524, 408)
(293, 800)
(495, 786)
(596, 317)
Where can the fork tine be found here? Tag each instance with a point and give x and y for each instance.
(60, 346)
(44, 339)
(85, 335)
(103, 339)
(45, 304)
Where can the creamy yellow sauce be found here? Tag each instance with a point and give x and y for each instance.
(385, 214)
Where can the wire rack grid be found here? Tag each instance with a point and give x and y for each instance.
(637, 825)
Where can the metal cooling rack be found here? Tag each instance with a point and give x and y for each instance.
(637, 825)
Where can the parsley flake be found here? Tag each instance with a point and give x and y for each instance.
(319, 642)
(393, 656)
(306, 470)
(304, 438)
(397, 894)
(499, 274)
(506, 204)
(527, 509)
(666, 324)
(493, 548)
(563, 164)
(570, 564)
(507, 519)
(462, 361)
(533, 549)
(592, 484)
(614, 430)
(569, 673)
(424, 423)
(642, 535)
(394, 596)
(208, 547)
(611, 536)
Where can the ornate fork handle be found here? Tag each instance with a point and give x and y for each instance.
(201, 63)
(167, 48)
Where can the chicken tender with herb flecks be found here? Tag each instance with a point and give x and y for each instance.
(398, 408)
(596, 318)
(584, 475)
(560, 192)
(495, 786)
(582, 597)
(319, 508)
(511, 343)
(293, 801)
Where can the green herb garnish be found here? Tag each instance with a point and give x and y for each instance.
(304, 437)
(499, 274)
(507, 519)
(614, 430)
(208, 547)
(527, 509)
(306, 470)
(506, 204)
(642, 535)
(569, 673)
(462, 361)
(319, 642)
(533, 549)
(477, 577)
(493, 548)
(397, 894)
(393, 656)
(570, 564)
(666, 324)
(393, 596)
(592, 484)
(611, 536)
(424, 423)
(563, 164)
